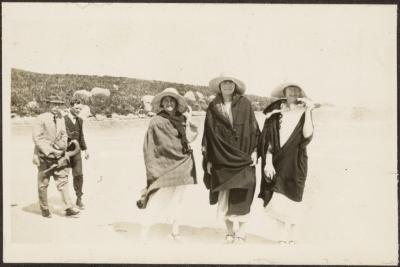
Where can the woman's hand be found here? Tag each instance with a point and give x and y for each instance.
(308, 102)
(188, 114)
(254, 158)
(268, 115)
(269, 169)
(209, 166)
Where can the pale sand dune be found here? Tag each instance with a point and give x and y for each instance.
(350, 201)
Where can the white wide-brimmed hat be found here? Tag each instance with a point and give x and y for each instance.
(278, 91)
(214, 83)
(172, 92)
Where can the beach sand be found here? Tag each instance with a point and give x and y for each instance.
(350, 201)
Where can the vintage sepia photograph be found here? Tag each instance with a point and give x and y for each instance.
(199, 133)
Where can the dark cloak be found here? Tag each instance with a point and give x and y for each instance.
(229, 147)
(290, 161)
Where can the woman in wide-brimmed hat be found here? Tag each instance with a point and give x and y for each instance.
(169, 161)
(215, 84)
(287, 130)
(230, 153)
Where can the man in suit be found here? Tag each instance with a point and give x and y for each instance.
(74, 127)
(50, 139)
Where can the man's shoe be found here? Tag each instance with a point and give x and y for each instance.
(46, 213)
(71, 213)
(79, 203)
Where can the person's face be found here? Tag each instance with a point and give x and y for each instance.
(55, 109)
(168, 103)
(227, 87)
(291, 94)
(76, 109)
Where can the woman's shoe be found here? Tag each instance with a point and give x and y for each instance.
(229, 238)
(176, 237)
(239, 240)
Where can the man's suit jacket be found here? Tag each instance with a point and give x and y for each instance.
(48, 134)
(75, 131)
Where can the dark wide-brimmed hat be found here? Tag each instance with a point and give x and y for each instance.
(55, 100)
(172, 92)
(278, 91)
(214, 83)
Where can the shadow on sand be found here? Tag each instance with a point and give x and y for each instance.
(160, 232)
(56, 207)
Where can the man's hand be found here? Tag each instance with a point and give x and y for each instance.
(57, 153)
(86, 154)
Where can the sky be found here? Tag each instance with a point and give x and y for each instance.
(339, 54)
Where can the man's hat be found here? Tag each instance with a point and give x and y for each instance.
(54, 99)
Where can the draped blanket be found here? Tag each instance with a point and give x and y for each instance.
(164, 157)
(179, 122)
(289, 161)
(228, 146)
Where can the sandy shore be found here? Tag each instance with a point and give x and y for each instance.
(344, 219)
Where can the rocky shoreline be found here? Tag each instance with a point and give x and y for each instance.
(15, 119)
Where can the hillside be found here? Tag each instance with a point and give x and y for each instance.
(125, 97)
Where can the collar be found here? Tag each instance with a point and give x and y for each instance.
(216, 108)
(72, 117)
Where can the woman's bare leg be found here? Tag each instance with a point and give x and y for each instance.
(229, 227)
(175, 228)
(293, 233)
(283, 231)
(240, 235)
(230, 232)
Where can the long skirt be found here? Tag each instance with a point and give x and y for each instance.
(165, 205)
(284, 209)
